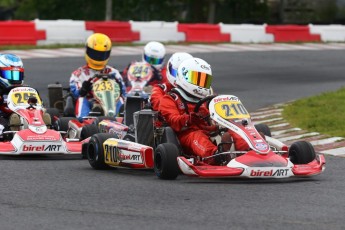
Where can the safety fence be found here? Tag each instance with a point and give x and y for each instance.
(46, 32)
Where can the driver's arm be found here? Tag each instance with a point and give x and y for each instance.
(169, 110)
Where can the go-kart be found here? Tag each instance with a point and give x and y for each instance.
(139, 74)
(265, 158)
(106, 101)
(158, 148)
(31, 134)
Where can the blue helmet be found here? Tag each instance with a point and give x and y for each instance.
(11, 70)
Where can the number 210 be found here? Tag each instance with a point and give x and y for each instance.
(238, 109)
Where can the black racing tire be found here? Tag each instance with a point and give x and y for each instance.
(95, 151)
(53, 112)
(263, 128)
(61, 124)
(301, 152)
(88, 131)
(101, 118)
(165, 161)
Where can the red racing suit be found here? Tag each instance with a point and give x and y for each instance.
(158, 91)
(194, 140)
(192, 136)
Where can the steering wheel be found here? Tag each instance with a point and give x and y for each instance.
(202, 101)
(197, 108)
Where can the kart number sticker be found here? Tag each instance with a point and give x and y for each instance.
(139, 70)
(22, 97)
(111, 152)
(231, 110)
(103, 86)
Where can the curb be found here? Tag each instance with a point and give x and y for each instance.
(283, 131)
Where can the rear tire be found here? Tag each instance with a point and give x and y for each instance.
(88, 131)
(301, 152)
(95, 151)
(165, 161)
(61, 124)
(263, 128)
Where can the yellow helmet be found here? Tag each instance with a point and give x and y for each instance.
(98, 48)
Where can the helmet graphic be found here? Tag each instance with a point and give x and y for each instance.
(11, 70)
(98, 48)
(154, 53)
(175, 60)
(194, 76)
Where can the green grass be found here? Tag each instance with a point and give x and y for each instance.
(324, 113)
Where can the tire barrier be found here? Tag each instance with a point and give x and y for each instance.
(203, 33)
(20, 33)
(292, 33)
(44, 32)
(117, 31)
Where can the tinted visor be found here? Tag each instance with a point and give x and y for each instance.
(172, 71)
(203, 80)
(152, 60)
(12, 74)
(97, 55)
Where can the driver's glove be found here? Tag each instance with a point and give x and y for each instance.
(85, 88)
(194, 119)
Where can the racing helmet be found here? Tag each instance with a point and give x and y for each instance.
(98, 48)
(11, 70)
(194, 76)
(154, 53)
(175, 60)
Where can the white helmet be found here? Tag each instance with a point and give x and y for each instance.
(194, 76)
(154, 53)
(175, 60)
(11, 70)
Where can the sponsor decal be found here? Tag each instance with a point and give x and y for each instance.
(269, 173)
(40, 137)
(261, 146)
(133, 157)
(41, 148)
(227, 98)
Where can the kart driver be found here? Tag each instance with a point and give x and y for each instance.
(98, 47)
(153, 54)
(11, 76)
(159, 90)
(194, 78)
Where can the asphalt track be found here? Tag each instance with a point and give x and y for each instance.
(65, 193)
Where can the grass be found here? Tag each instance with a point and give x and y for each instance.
(323, 113)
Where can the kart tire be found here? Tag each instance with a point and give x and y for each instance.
(301, 152)
(95, 151)
(61, 124)
(165, 161)
(88, 131)
(53, 112)
(101, 118)
(263, 128)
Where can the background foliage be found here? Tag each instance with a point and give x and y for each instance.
(211, 11)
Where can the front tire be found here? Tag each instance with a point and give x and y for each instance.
(95, 151)
(301, 152)
(165, 161)
(263, 128)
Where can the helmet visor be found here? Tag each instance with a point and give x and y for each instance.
(152, 60)
(172, 71)
(12, 74)
(203, 80)
(97, 55)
